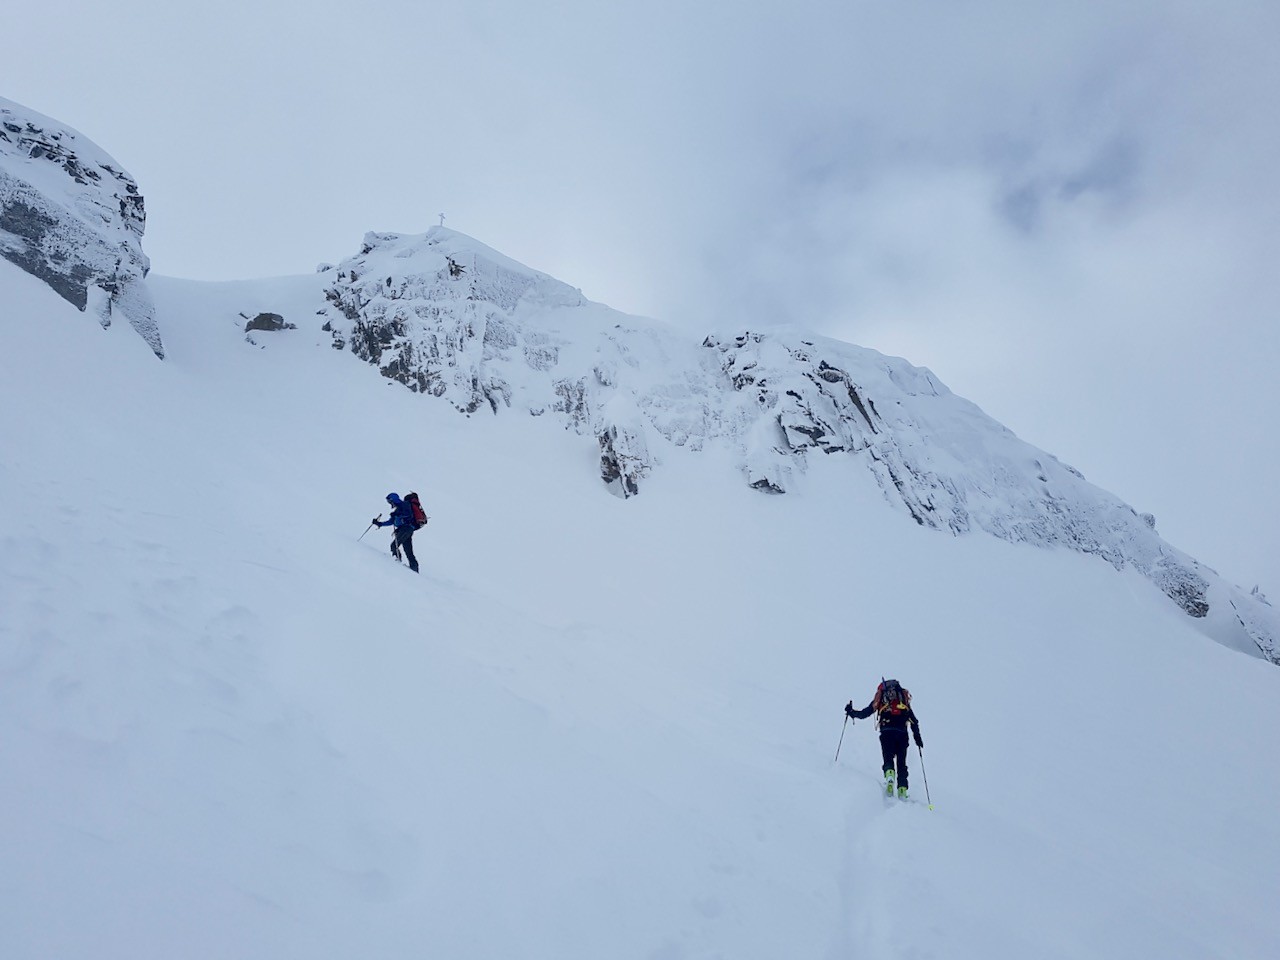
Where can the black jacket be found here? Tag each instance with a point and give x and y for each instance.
(886, 720)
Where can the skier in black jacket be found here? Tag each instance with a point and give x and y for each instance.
(892, 706)
(401, 520)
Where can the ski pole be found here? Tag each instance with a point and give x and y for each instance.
(369, 527)
(924, 774)
(841, 743)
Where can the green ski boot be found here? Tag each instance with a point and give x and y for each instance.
(888, 783)
(902, 793)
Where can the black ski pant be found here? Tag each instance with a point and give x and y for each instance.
(893, 747)
(404, 539)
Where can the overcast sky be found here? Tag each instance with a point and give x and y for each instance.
(1069, 212)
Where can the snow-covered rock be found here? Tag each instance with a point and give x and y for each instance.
(447, 316)
(71, 216)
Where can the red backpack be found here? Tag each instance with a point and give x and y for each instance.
(891, 698)
(419, 515)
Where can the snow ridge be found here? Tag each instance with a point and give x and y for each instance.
(448, 316)
(71, 216)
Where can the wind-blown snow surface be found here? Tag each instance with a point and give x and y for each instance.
(591, 727)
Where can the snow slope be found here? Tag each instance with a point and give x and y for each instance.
(592, 727)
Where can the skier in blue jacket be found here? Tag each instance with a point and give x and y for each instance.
(401, 520)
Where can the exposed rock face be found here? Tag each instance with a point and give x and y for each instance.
(270, 322)
(448, 317)
(72, 217)
(945, 462)
(436, 318)
(451, 318)
(265, 323)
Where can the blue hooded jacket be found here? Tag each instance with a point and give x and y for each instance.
(401, 513)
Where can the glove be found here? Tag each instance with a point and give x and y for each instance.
(376, 522)
(848, 710)
(919, 742)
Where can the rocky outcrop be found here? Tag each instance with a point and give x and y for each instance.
(936, 456)
(452, 319)
(438, 317)
(265, 323)
(270, 322)
(72, 217)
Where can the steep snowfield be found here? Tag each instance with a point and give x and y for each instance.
(592, 727)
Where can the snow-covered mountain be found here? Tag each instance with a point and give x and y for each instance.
(602, 720)
(71, 215)
(449, 317)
